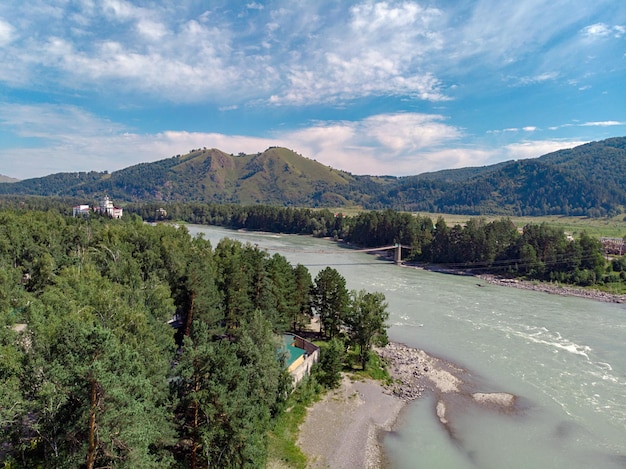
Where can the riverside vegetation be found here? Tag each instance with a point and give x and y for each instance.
(539, 251)
(92, 374)
(536, 251)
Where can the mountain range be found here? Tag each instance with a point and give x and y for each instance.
(585, 180)
(4, 178)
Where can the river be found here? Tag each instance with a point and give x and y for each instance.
(564, 357)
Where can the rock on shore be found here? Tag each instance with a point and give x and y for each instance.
(555, 289)
(415, 371)
(344, 429)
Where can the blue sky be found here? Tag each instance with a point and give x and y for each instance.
(389, 87)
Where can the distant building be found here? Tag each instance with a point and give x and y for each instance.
(615, 246)
(80, 210)
(107, 208)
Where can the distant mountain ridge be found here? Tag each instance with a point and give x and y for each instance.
(4, 178)
(586, 180)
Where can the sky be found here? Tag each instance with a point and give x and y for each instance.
(370, 87)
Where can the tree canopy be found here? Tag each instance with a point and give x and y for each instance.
(92, 373)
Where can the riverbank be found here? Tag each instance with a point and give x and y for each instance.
(534, 285)
(546, 287)
(554, 289)
(346, 428)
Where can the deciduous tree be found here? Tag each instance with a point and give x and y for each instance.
(366, 321)
(330, 300)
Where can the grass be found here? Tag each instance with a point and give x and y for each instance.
(614, 288)
(284, 434)
(614, 227)
(611, 227)
(375, 369)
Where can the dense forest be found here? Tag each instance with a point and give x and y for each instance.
(92, 373)
(587, 180)
(537, 252)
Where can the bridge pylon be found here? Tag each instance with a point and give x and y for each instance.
(397, 253)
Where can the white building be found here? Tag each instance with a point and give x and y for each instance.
(82, 210)
(107, 207)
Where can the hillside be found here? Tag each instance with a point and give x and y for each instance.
(276, 176)
(586, 180)
(4, 178)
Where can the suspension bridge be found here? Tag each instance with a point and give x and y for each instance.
(396, 248)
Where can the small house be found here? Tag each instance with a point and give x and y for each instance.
(301, 356)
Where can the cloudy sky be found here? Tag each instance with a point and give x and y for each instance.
(371, 87)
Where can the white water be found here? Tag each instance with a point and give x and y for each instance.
(564, 357)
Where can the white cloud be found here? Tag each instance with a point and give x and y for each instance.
(381, 49)
(374, 48)
(527, 43)
(296, 54)
(529, 128)
(380, 144)
(300, 53)
(505, 33)
(254, 6)
(120, 10)
(403, 143)
(597, 30)
(537, 148)
(6, 32)
(602, 124)
(70, 139)
(532, 80)
(151, 30)
(602, 30)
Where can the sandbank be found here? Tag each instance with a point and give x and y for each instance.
(345, 429)
(342, 430)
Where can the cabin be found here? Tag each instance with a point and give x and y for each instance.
(301, 356)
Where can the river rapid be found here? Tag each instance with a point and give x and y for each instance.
(563, 357)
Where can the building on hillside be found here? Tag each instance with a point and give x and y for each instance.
(301, 356)
(80, 210)
(107, 208)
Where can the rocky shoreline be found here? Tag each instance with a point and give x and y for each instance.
(545, 287)
(553, 288)
(346, 428)
(414, 372)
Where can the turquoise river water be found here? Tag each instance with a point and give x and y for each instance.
(564, 357)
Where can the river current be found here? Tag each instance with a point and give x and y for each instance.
(564, 357)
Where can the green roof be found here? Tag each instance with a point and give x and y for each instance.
(293, 352)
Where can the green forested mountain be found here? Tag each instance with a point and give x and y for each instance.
(586, 180)
(276, 176)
